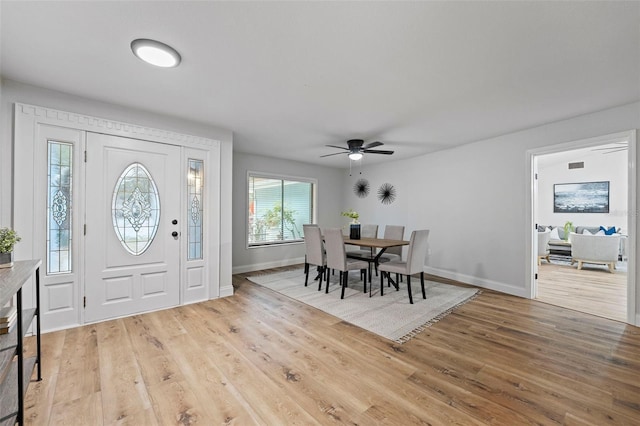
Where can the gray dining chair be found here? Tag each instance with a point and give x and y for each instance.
(392, 232)
(414, 263)
(365, 253)
(337, 259)
(314, 252)
(366, 231)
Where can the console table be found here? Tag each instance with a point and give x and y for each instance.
(15, 371)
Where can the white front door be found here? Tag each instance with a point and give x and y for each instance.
(132, 247)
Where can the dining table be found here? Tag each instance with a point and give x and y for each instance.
(373, 243)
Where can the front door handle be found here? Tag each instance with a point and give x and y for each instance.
(174, 234)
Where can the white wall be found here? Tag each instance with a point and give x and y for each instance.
(17, 92)
(612, 167)
(473, 198)
(330, 184)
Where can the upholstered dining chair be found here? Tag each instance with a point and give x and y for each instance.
(413, 264)
(314, 252)
(366, 231)
(392, 232)
(365, 253)
(543, 246)
(337, 259)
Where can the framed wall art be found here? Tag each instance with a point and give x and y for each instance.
(585, 197)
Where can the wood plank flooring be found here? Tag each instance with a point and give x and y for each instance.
(261, 358)
(593, 289)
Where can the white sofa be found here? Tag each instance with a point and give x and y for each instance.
(598, 249)
(560, 245)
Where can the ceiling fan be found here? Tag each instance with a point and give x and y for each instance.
(356, 149)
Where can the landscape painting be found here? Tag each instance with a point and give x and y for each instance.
(587, 197)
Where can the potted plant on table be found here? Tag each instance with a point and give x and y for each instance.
(351, 214)
(354, 227)
(8, 239)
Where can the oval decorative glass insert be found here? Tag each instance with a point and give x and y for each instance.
(135, 209)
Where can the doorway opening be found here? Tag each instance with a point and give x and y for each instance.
(585, 188)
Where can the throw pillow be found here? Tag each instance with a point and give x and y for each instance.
(554, 234)
(600, 232)
(586, 232)
(610, 231)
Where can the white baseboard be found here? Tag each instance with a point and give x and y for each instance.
(226, 291)
(266, 265)
(478, 282)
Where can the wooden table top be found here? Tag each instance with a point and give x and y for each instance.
(12, 279)
(376, 242)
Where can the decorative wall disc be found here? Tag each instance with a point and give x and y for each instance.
(386, 193)
(361, 188)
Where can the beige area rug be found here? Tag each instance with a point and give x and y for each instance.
(390, 316)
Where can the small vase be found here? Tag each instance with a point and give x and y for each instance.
(6, 260)
(354, 231)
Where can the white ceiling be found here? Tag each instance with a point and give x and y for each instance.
(289, 78)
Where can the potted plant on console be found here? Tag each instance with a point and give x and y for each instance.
(8, 239)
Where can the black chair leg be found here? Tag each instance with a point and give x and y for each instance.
(327, 288)
(424, 295)
(364, 271)
(323, 270)
(306, 271)
(344, 282)
(409, 288)
(382, 283)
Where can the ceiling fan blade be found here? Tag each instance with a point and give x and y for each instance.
(372, 145)
(375, 151)
(339, 147)
(335, 153)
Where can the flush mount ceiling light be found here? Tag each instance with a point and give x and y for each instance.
(155, 53)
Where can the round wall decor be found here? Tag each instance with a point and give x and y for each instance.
(361, 188)
(386, 193)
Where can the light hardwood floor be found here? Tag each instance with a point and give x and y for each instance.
(592, 289)
(261, 358)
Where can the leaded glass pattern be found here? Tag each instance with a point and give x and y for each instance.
(135, 209)
(195, 183)
(59, 207)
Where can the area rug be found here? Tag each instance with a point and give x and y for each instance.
(390, 316)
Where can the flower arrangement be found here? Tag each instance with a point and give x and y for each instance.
(351, 214)
(8, 239)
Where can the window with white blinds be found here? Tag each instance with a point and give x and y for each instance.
(278, 207)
